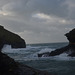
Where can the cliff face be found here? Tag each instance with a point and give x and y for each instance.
(11, 39)
(69, 48)
(9, 67)
(71, 36)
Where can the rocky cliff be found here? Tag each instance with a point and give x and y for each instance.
(7, 65)
(70, 48)
(71, 36)
(11, 38)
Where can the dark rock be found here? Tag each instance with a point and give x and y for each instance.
(70, 48)
(1, 43)
(9, 67)
(11, 39)
(71, 36)
(55, 52)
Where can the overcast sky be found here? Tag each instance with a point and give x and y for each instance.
(38, 21)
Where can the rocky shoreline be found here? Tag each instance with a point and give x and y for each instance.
(7, 65)
(11, 38)
(69, 49)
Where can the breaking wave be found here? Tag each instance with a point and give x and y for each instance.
(31, 53)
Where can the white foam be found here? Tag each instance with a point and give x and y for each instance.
(63, 56)
(33, 47)
(32, 54)
(28, 49)
(8, 49)
(46, 50)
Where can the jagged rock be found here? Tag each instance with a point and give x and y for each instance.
(70, 48)
(11, 38)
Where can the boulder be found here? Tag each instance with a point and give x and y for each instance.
(69, 49)
(11, 38)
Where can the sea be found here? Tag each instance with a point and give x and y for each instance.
(57, 65)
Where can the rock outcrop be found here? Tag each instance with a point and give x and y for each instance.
(69, 49)
(71, 36)
(11, 39)
(7, 65)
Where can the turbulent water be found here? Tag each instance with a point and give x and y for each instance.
(58, 65)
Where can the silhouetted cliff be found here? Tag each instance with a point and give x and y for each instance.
(7, 65)
(70, 48)
(11, 38)
(71, 36)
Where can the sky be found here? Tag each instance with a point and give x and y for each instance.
(38, 21)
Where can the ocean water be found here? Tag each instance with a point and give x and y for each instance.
(57, 65)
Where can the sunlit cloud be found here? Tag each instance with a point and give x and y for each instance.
(41, 16)
(3, 13)
(50, 19)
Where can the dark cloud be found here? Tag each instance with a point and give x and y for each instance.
(50, 7)
(58, 8)
(38, 20)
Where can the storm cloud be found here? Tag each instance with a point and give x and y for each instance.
(38, 21)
